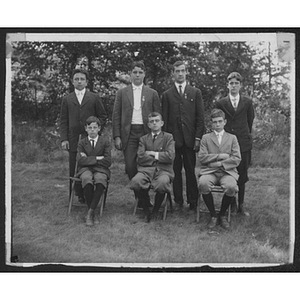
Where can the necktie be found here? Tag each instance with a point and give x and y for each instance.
(234, 100)
(219, 138)
(180, 90)
(79, 96)
(93, 144)
(154, 137)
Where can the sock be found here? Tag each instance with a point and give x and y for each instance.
(88, 191)
(97, 194)
(226, 201)
(209, 201)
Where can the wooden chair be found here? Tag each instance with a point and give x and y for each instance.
(215, 189)
(102, 201)
(164, 204)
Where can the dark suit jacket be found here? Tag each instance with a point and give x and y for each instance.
(73, 116)
(165, 145)
(123, 110)
(239, 122)
(89, 162)
(183, 116)
(210, 148)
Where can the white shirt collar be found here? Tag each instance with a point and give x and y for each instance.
(137, 87)
(219, 133)
(237, 97)
(95, 139)
(182, 84)
(77, 92)
(157, 134)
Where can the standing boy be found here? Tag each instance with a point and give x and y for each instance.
(75, 109)
(239, 113)
(130, 116)
(155, 157)
(219, 156)
(94, 160)
(183, 113)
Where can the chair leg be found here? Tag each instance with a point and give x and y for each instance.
(102, 199)
(166, 206)
(71, 197)
(135, 205)
(198, 207)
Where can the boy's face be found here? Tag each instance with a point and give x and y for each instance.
(79, 81)
(218, 124)
(234, 86)
(92, 129)
(179, 74)
(155, 124)
(137, 76)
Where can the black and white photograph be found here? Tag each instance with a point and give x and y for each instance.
(150, 150)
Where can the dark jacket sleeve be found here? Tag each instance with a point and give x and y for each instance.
(64, 120)
(117, 113)
(199, 115)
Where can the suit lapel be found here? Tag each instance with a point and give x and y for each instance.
(145, 93)
(214, 138)
(85, 99)
(74, 99)
(129, 93)
(240, 105)
(175, 93)
(225, 137)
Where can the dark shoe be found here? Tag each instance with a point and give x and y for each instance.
(212, 223)
(90, 217)
(152, 216)
(242, 212)
(81, 200)
(224, 223)
(193, 206)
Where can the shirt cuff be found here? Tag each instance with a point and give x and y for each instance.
(156, 155)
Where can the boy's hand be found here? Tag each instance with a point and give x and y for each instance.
(223, 156)
(118, 143)
(151, 153)
(215, 164)
(65, 145)
(197, 145)
(82, 154)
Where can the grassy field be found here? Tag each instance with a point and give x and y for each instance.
(43, 233)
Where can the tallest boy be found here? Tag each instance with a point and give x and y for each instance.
(132, 106)
(183, 114)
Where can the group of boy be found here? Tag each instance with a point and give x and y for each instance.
(159, 138)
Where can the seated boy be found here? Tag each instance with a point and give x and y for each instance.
(94, 160)
(219, 156)
(155, 158)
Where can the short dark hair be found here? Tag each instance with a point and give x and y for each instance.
(235, 75)
(178, 63)
(92, 119)
(138, 64)
(85, 72)
(215, 113)
(155, 114)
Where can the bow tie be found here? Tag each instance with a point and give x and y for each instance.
(137, 88)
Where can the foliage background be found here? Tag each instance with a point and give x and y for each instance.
(41, 77)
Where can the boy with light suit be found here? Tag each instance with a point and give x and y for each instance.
(219, 157)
